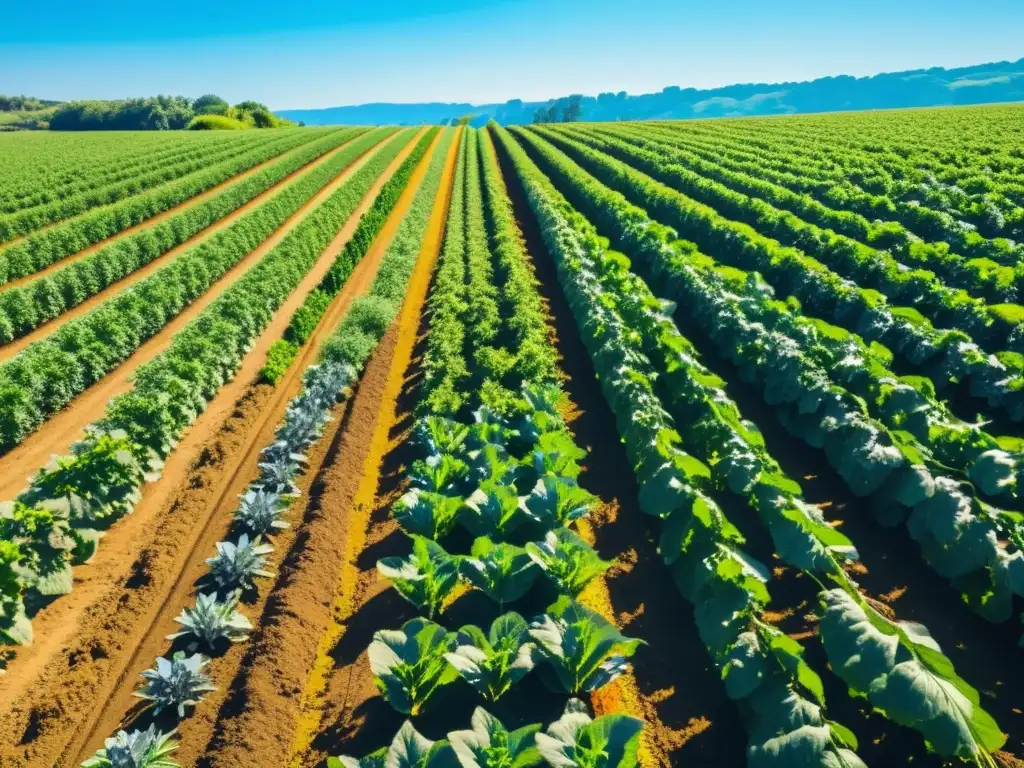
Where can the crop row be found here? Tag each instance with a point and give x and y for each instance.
(477, 460)
(49, 373)
(41, 165)
(635, 367)
(102, 479)
(24, 308)
(924, 157)
(145, 175)
(41, 249)
(979, 276)
(308, 316)
(814, 366)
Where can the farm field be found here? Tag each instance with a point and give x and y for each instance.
(692, 443)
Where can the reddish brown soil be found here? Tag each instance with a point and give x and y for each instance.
(690, 720)
(8, 351)
(59, 432)
(269, 694)
(156, 219)
(145, 569)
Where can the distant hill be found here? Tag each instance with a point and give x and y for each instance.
(984, 83)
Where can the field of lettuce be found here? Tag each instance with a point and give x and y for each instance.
(600, 445)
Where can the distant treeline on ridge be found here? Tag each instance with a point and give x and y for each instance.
(979, 84)
(156, 113)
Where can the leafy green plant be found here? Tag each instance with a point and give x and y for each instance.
(438, 435)
(491, 745)
(409, 664)
(176, 683)
(15, 628)
(440, 473)
(46, 541)
(567, 560)
(501, 571)
(555, 453)
(494, 509)
(212, 621)
(237, 565)
(557, 501)
(260, 511)
(426, 513)
(577, 741)
(494, 662)
(582, 651)
(426, 577)
(409, 749)
(136, 749)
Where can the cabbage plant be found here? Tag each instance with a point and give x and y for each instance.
(409, 665)
(491, 745)
(556, 453)
(494, 662)
(15, 627)
(425, 513)
(176, 683)
(577, 741)
(426, 578)
(138, 749)
(556, 501)
(438, 435)
(47, 543)
(503, 572)
(568, 561)
(260, 511)
(409, 749)
(236, 566)
(440, 473)
(211, 621)
(581, 649)
(495, 510)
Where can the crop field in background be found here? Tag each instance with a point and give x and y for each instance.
(577, 444)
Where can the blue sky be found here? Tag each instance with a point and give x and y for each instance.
(317, 53)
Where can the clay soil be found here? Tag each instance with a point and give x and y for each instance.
(67, 691)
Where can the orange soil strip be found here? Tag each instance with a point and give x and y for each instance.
(156, 218)
(56, 435)
(11, 349)
(621, 696)
(233, 481)
(345, 603)
(100, 582)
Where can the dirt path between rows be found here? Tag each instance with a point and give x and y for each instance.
(57, 434)
(146, 574)
(9, 350)
(155, 219)
(278, 689)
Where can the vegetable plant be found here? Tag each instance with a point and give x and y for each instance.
(494, 662)
(136, 749)
(503, 572)
(581, 650)
(567, 560)
(426, 578)
(409, 664)
(211, 621)
(489, 744)
(409, 749)
(237, 565)
(426, 513)
(578, 741)
(176, 683)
